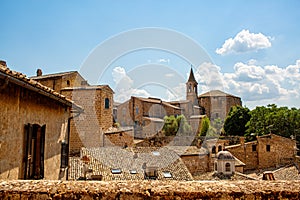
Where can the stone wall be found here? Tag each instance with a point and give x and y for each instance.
(20, 106)
(256, 156)
(227, 190)
(197, 163)
(69, 79)
(245, 153)
(87, 129)
(120, 138)
(281, 152)
(219, 106)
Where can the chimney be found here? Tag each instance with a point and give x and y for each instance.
(3, 63)
(39, 72)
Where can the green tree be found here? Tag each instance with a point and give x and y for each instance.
(205, 124)
(176, 125)
(235, 122)
(272, 119)
(170, 125)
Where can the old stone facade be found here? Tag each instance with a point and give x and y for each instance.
(88, 129)
(268, 151)
(58, 81)
(33, 128)
(217, 104)
(145, 114)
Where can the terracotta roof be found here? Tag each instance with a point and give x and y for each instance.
(216, 93)
(104, 159)
(21, 80)
(157, 101)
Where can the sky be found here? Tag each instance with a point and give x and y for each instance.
(146, 48)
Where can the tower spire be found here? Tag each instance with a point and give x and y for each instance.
(191, 88)
(192, 77)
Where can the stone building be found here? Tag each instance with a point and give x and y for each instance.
(267, 151)
(88, 129)
(97, 101)
(58, 81)
(145, 114)
(224, 163)
(217, 104)
(34, 124)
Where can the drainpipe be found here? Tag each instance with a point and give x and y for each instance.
(68, 135)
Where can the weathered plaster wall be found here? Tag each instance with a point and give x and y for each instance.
(19, 107)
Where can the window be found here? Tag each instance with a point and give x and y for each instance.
(253, 147)
(156, 153)
(133, 171)
(116, 171)
(227, 167)
(34, 145)
(216, 166)
(268, 147)
(167, 174)
(106, 103)
(64, 155)
(68, 83)
(213, 150)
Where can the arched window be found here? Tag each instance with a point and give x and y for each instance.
(106, 103)
(227, 167)
(213, 149)
(219, 148)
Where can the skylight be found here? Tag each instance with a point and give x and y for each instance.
(116, 171)
(167, 174)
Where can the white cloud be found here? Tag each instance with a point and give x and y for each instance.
(244, 41)
(256, 85)
(209, 77)
(124, 86)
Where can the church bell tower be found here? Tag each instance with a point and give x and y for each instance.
(192, 89)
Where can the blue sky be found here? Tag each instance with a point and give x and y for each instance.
(258, 62)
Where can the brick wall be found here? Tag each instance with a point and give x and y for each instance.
(20, 106)
(87, 129)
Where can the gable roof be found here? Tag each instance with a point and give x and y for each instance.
(217, 93)
(21, 80)
(104, 159)
(157, 101)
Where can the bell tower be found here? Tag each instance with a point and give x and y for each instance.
(192, 89)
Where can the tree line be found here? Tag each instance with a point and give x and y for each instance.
(262, 120)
